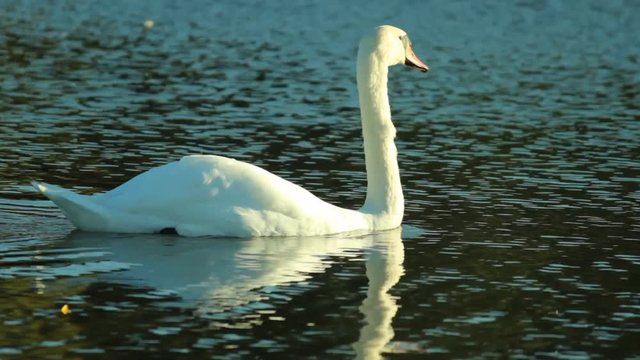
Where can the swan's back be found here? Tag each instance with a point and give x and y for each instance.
(205, 194)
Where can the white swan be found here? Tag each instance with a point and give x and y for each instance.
(213, 195)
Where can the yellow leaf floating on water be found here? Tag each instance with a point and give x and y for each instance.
(65, 310)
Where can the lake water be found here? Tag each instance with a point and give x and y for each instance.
(519, 153)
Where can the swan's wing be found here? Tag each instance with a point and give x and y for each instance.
(203, 192)
(206, 178)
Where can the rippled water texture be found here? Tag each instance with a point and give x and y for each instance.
(520, 161)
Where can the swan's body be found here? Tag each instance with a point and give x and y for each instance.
(213, 195)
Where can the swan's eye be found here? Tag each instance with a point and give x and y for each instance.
(405, 41)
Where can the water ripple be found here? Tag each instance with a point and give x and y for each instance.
(518, 155)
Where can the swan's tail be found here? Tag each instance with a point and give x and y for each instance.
(82, 210)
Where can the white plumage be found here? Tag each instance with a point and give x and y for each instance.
(214, 195)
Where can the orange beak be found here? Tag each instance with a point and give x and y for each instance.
(413, 61)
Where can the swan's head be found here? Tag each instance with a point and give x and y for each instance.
(392, 46)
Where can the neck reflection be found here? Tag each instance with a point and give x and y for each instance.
(384, 269)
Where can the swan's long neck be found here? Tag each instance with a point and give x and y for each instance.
(384, 191)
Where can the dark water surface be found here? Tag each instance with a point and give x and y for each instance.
(519, 152)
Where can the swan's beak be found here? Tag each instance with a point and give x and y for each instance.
(413, 61)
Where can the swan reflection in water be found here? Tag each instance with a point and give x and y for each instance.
(384, 268)
(225, 278)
